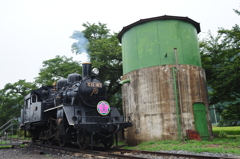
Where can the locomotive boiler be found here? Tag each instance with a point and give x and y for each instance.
(75, 111)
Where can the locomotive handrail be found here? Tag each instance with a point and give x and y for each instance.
(53, 108)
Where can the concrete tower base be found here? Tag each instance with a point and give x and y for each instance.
(163, 103)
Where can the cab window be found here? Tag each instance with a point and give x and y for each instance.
(34, 98)
(27, 104)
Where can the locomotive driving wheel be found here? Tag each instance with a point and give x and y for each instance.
(62, 142)
(50, 141)
(34, 137)
(83, 139)
(108, 141)
(41, 137)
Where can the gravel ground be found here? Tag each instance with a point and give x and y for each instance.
(29, 153)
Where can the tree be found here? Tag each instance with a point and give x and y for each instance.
(105, 53)
(57, 68)
(11, 97)
(221, 60)
(231, 112)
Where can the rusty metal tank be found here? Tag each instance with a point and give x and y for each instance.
(163, 84)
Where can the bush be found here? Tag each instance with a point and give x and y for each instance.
(222, 134)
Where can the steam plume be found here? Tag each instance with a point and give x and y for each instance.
(81, 46)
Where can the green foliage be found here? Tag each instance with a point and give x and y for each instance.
(221, 61)
(105, 54)
(238, 12)
(11, 97)
(20, 134)
(231, 112)
(220, 58)
(57, 68)
(222, 134)
(94, 32)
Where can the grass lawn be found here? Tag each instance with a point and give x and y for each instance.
(227, 131)
(219, 145)
(229, 144)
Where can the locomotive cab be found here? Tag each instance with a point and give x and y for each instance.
(34, 104)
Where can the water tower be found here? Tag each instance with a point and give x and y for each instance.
(163, 84)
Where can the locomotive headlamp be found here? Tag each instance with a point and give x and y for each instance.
(95, 71)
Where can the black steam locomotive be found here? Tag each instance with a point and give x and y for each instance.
(75, 111)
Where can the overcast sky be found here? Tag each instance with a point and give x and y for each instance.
(32, 31)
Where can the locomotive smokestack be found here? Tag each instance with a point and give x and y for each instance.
(86, 69)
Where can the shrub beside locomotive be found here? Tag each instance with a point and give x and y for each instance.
(75, 111)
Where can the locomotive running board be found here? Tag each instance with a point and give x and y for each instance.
(60, 106)
(69, 112)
